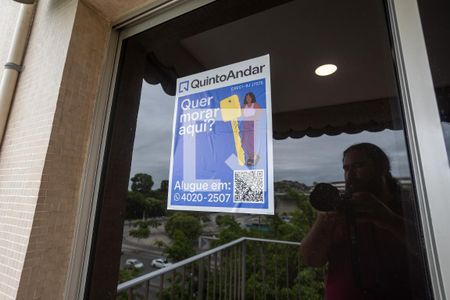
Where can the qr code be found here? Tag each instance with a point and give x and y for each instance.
(248, 186)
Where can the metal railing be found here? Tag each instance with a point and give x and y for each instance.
(249, 268)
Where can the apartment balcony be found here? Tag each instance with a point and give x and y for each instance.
(246, 268)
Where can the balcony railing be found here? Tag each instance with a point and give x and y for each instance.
(249, 268)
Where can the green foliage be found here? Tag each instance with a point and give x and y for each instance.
(142, 201)
(160, 244)
(205, 218)
(229, 229)
(140, 232)
(180, 248)
(154, 208)
(188, 224)
(276, 271)
(126, 275)
(183, 229)
(142, 183)
(164, 186)
(158, 194)
(135, 205)
(179, 287)
(273, 271)
(275, 222)
(139, 206)
(227, 221)
(285, 185)
(307, 211)
(202, 216)
(289, 232)
(312, 283)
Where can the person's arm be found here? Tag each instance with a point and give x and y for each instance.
(316, 245)
(258, 111)
(371, 209)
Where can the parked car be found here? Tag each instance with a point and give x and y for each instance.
(134, 263)
(160, 263)
(286, 219)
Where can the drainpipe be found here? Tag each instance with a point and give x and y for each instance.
(14, 63)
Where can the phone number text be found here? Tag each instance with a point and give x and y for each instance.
(199, 197)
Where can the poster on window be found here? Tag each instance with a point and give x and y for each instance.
(221, 158)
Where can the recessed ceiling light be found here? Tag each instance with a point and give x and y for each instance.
(325, 70)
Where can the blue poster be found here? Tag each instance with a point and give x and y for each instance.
(221, 158)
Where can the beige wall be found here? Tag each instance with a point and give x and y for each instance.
(26, 139)
(49, 251)
(45, 147)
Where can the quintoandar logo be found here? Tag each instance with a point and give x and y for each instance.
(183, 87)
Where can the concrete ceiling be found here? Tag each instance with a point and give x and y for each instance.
(300, 36)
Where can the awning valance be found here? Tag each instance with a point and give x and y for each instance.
(373, 115)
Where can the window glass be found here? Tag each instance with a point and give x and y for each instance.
(345, 223)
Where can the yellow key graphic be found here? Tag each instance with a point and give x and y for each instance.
(230, 109)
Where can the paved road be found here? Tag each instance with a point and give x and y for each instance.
(145, 255)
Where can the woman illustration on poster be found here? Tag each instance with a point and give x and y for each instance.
(250, 112)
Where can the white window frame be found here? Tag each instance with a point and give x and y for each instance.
(425, 139)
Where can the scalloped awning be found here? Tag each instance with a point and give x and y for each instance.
(354, 117)
(373, 115)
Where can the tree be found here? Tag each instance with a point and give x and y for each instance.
(189, 225)
(160, 244)
(142, 183)
(135, 206)
(181, 247)
(229, 229)
(141, 232)
(141, 207)
(164, 186)
(142, 228)
(126, 275)
(155, 207)
(183, 229)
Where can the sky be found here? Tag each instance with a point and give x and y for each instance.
(305, 160)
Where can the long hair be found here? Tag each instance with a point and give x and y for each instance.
(381, 160)
(251, 95)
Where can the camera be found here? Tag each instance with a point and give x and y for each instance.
(326, 197)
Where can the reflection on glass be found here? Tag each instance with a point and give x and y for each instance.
(368, 245)
(363, 234)
(152, 234)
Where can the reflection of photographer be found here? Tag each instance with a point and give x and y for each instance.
(365, 235)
